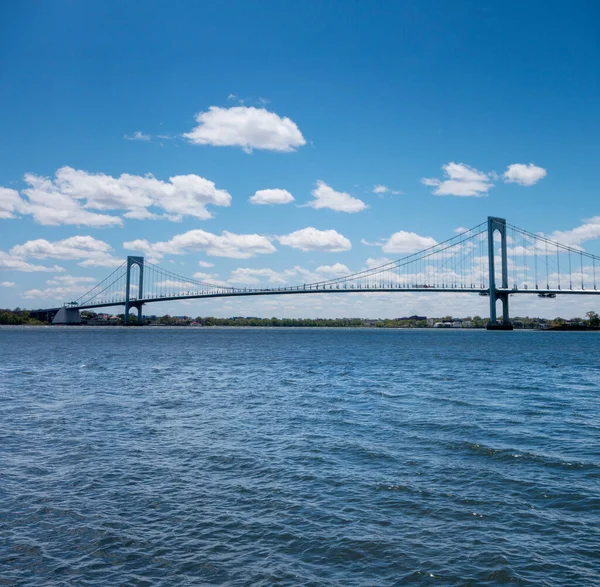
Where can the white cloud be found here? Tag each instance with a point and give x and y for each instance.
(63, 287)
(383, 189)
(10, 203)
(407, 242)
(90, 251)
(589, 230)
(60, 292)
(7, 283)
(370, 244)
(72, 194)
(203, 276)
(209, 279)
(10, 262)
(371, 263)
(272, 196)
(246, 127)
(227, 244)
(326, 197)
(137, 136)
(336, 270)
(524, 174)
(205, 264)
(67, 280)
(460, 180)
(294, 276)
(50, 205)
(311, 239)
(246, 276)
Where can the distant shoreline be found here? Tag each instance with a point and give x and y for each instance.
(263, 327)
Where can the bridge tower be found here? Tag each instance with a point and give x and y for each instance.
(131, 261)
(498, 224)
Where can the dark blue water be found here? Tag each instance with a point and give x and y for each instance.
(298, 457)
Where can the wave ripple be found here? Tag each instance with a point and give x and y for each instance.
(298, 457)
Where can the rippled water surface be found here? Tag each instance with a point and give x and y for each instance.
(298, 457)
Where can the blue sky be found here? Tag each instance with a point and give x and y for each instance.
(232, 98)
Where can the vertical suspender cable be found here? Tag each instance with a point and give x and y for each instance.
(547, 274)
(525, 267)
(535, 245)
(570, 272)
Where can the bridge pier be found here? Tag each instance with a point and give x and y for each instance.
(498, 224)
(67, 316)
(131, 261)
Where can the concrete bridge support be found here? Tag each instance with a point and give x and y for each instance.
(67, 316)
(498, 224)
(137, 306)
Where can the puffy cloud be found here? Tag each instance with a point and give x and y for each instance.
(57, 293)
(272, 196)
(49, 204)
(137, 136)
(11, 262)
(71, 196)
(67, 280)
(247, 276)
(524, 174)
(208, 279)
(326, 197)
(407, 242)
(90, 251)
(336, 270)
(589, 230)
(7, 283)
(10, 203)
(205, 264)
(227, 244)
(383, 189)
(460, 180)
(311, 239)
(294, 276)
(246, 127)
(63, 287)
(371, 263)
(203, 276)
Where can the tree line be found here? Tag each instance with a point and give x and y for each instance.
(17, 317)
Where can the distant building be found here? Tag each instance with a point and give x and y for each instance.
(104, 320)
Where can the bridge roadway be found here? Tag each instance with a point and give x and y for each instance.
(301, 290)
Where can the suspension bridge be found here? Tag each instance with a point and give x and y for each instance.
(493, 259)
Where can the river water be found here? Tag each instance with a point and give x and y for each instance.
(196, 456)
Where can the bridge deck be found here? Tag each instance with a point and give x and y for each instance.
(300, 290)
